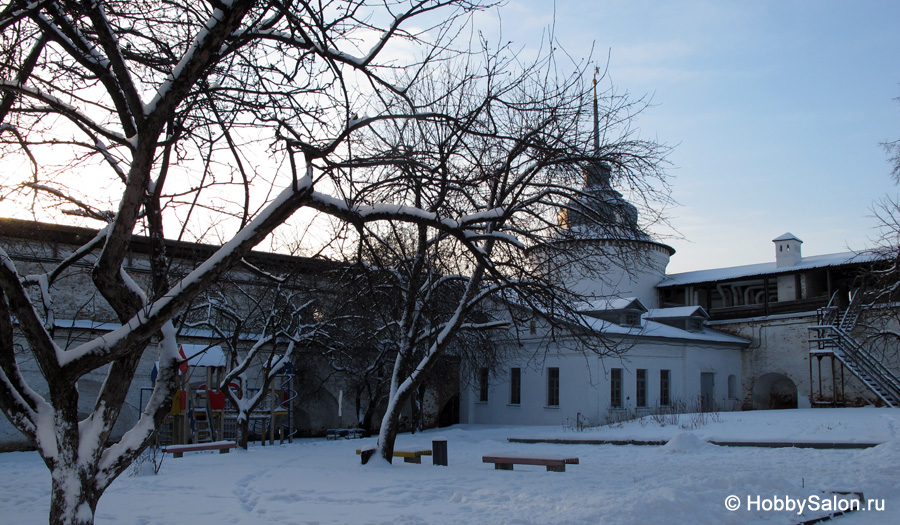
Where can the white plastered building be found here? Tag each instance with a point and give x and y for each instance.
(671, 359)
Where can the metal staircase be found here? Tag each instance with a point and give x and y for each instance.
(832, 338)
(851, 315)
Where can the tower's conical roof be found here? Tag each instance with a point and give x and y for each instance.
(599, 211)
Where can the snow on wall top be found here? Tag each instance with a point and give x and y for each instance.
(762, 269)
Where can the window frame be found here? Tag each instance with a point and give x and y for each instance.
(640, 387)
(616, 383)
(665, 387)
(553, 386)
(484, 376)
(515, 386)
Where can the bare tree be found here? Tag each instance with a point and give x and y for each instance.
(227, 118)
(873, 309)
(880, 281)
(363, 344)
(500, 151)
(273, 321)
(893, 150)
(358, 345)
(170, 106)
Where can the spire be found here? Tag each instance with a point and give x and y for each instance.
(596, 116)
(597, 173)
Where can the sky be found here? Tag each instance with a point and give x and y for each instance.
(776, 111)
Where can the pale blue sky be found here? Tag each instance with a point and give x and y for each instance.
(777, 109)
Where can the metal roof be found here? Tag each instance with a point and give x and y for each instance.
(763, 269)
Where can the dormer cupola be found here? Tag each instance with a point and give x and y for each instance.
(787, 250)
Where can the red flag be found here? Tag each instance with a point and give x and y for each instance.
(183, 367)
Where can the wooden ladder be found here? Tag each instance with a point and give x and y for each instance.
(203, 432)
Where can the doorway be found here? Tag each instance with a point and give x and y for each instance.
(707, 391)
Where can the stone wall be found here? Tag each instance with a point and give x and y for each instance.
(81, 314)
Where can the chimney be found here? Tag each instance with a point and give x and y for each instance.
(787, 250)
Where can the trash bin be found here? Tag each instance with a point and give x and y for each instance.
(439, 448)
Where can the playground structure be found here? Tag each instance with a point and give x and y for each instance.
(202, 413)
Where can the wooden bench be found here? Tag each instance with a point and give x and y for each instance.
(178, 450)
(345, 433)
(409, 456)
(507, 462)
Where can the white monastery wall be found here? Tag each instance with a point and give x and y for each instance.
(778, 345)
(585, 385)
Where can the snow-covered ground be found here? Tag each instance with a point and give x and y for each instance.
(686, 481)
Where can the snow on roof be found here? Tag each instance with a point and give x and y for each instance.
(203, 355)
(655, 330)
(86, 324)
(205, 333)
(678, 312)
(761, 269)
(609, 304)
(786, 237)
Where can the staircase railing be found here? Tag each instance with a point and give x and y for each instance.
(828, 315)
(881, 380)
(851, 315)
(833, 334)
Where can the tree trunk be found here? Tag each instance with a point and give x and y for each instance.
(74, 496)
(387, 434)
(373, 400)
(242, 431)
(390, 425)
(360, 415)
(368, 419)
(418, 400)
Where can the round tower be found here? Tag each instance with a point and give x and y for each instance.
(607, 253)
(600, 250)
